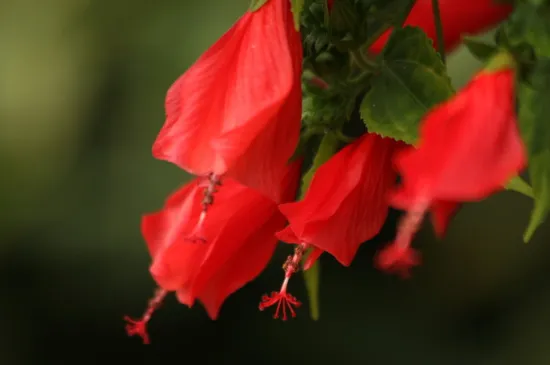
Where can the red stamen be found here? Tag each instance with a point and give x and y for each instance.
(397, 260)
(400, 257)
(139, 326)
(283, 299)
(198, 236)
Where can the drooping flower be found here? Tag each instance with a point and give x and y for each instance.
(469, 148)
(458, 18)
(241, 238)
(237, 111)
(344, 206)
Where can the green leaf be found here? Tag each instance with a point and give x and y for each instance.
(412, 79)
(256, 4)
(534, 110)
(297, 6)
(480, 50)
(519, 185)
(530, 24)
(311, 277)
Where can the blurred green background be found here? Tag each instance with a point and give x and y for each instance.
(82, 85)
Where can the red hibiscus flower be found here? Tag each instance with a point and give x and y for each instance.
(458, 18)
(344, 206)
(241, 238)
(469, 148)
(236, 112)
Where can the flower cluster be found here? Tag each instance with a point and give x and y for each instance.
(234, 120)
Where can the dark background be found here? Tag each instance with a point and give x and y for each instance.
(82, 86)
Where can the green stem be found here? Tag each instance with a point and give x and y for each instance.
(327, 148)
(439, 29)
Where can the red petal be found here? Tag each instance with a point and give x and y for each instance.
(338, 171)
(312, 258)
(174, 259)
(442, 212)
(287, 235)
(242, 267)
(267, 156)
(156, 226)
(243, 217)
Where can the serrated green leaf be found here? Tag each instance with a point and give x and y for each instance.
(530, 24)
(480, 50)
(519, 185)
(311, 277)
(534, 110)
(297, 6)
(411, 80)
(256, 4)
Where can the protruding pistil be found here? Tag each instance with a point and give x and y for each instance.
(139, 326)
(399, 256)
(284, 300)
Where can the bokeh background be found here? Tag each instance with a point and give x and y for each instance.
(82, 85)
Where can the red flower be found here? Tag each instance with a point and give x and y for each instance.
(457, 17)
(240, 233)
(345, 205)
(469, 148)
(237, 110)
